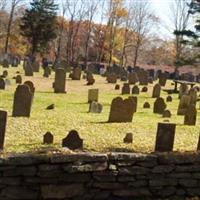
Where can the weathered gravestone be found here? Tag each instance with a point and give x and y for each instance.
(95, 107)
(2, 84)
(112, 78)
(59, 83)
(3, 121)
(146, 105)
(132, 78)
(18, 79)
(183, 90)
(36, 66)
(117, 87)
(5, 73)
(47, 72)
(76, 74)
(143, 77)
(22, 101)
(165, 137)
(90, 79)
(31, 86)
(28, 68)
(190, 115)
(5, 63)
(183, 104)
(162, 79)
(73, 141)
(121, 110)
(135, 90)
(169, 98)
(48, 138)
(193, 96)
(128, 138)
(156, 91)
(159, 106)
(93, 95)
(144, 89)
(166, 114)
(126, 89)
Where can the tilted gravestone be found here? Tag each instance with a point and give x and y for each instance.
(3, 121)
(22, 101)
(93, 95)
(95, 107)
(73, 141)
(165, 137)
(2, 84)
(128, 138)
(132, 78)
(135, 90)
(183, 104)
(48, 138)
(159, 106)
(162, 79)
(126, 89)
(76, 74)
(60, 81)
(156, 91)
(190, 115)
(121, 110)
(18, 79)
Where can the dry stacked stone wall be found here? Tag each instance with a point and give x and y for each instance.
(113, 176)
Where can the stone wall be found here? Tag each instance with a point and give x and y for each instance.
(100, 176)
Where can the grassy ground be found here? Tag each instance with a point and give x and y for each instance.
(71, 112)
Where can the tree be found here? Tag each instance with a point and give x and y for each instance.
(39, 24)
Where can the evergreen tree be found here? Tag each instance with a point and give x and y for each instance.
(39, 24)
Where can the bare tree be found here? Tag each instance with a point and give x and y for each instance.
(180, 19)
(14, 4)
(142, 24)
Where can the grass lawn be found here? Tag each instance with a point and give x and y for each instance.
(71, 112)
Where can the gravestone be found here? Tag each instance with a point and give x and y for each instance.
(183, 90)
(18, 79)
(190, 115)
(159, 106)
(144, 89)
(143, 77)
(183, 104)
(5, 63)
(3, 121)
(126, 89)
(5, 73)
(2, 84)
(146, 105)
(28, 68)
(135, 100)
(93, 95)
(169, 98)
(36, 66)
(90, 79)
(117, 87)
(72, 141)
(60, 81)
(22, 101)
(193, 96)
(47, 72)
(166, 114)
(112, 78)
(135, 90)
(31, 86)
(162, 79)
(50, 107)
(48, 138)
(76, 74)
(150, 80)
(121, 110)
(165, 137)
(156, 91)
(132, 78)
(95, 107)
(128, 138)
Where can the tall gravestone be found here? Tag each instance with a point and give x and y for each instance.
(183, 90)
(183, 105)
(93, 95)
(143, 77)
(60, 81)
(22, 101)
(162, 79)
(190, 115)
(135, 100)
(159, 106)
(193, 96)
(165, 137)
(121, 110)
(156, 91)
(28, 68)
(3, 121)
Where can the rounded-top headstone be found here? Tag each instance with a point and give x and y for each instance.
(169, 98)
(146, 105)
